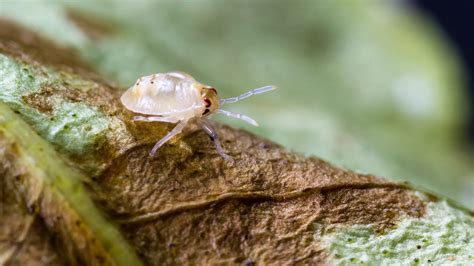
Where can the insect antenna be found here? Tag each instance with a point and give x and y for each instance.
(246, 95)
(238, 116)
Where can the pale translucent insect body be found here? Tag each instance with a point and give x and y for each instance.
(176, 97)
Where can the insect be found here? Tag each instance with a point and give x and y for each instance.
(176, 97)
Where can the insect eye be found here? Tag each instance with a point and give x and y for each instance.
(207, 102)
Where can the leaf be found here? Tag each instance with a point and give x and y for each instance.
(187, 205)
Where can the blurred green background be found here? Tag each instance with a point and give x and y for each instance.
(371, 86)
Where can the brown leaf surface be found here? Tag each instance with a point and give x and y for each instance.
(262, 207)
(188, 205)
(24, 239)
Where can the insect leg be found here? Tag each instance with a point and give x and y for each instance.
(246, 95)
(176, 130)
(238, 116)
(166, 119)
(215, 138)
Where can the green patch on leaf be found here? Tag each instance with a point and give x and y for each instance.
(61, 120)
(444, 236)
